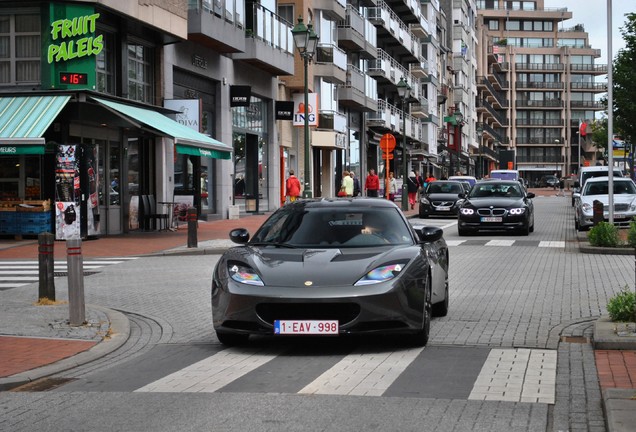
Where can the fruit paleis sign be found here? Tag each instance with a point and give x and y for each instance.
(74, 38)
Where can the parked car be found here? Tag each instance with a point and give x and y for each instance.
(591, 172)
(548, 181)
(470, 179)
(497, 205)
(331, 267)
(597, 189)
(441, 197)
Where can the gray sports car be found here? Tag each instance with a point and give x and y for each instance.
(331, 267)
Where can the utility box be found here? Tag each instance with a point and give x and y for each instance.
(233, 212)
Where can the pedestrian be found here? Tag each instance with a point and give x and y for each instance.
(561, 187)
(430, 178)
(356, 184)
(372, 184)
(293, 186)
(347, 184)
(392, 187)
(412, 187)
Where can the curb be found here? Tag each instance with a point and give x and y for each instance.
(618, 405)
(119, 333)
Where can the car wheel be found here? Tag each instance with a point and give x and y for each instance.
(525, 230)
(441, 309)
(462, 231)
(576, 225)
(232, 339)
(420, 338)
(422, 216)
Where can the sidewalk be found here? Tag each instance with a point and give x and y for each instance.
(36, 341)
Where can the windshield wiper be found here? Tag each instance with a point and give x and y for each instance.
(275, 244)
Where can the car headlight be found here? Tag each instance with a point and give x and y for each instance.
(517, 211)
(467, 211)
(586, 207)
(424, 201)
(632, 206)
(244, 274)
(381, 274)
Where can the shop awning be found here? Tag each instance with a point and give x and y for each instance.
(183, 136)
(23, 121)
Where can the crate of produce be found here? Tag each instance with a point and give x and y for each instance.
(7, 217)
(9, 206)
(9, 228)
(34, 228)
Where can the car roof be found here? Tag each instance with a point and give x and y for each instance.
(605, 179)
(598, 168)
(343, 202)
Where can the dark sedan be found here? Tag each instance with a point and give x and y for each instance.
(441, 198)
(331, 267)
(501, 205)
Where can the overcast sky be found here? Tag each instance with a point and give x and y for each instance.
(593, 15)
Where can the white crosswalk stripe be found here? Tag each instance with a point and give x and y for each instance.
(15, 274)
(552, 244)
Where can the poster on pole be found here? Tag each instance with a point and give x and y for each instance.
(67, 187)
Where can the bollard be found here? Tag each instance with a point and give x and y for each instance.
(192, 227)
(75, 264)
(46, 263)
(597, 212)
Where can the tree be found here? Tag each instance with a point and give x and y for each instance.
(624, 84)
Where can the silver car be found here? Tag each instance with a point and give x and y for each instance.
(596, 189)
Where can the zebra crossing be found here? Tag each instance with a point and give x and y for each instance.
(511, 375)
(14, 274)
(508, 243)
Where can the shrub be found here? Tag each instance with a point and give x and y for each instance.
(621, 307)
(604, 234)
(631, 234)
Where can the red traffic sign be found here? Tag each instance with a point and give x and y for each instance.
(387, 143)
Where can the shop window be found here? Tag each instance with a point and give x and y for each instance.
(140, 76)
(105, 81)
(9, 177)
(20, 49)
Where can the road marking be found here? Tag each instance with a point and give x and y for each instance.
(517, 375)
(500, 243)
(363, 374)
(212, 373)
(552, 244)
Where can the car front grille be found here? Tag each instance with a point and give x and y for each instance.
(343, 312)
(443, 203)
(491, 212)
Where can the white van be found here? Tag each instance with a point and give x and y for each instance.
(592, 171)
(505, 174)
(470, 179)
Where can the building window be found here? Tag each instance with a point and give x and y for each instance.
(140, 77)
(493, 24)
(105, 80)
(20, 49)
(286, 12)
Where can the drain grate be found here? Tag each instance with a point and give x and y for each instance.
(86, 273)
(575, 339)
(42, 384)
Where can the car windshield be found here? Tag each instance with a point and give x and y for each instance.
(335, 227)
(601, 188)
(445, 188)
(494, 189)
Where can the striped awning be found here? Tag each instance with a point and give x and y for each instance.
(24, 119)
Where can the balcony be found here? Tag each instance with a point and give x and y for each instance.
(538, 140)
(595, 105)
(493, 96)
(353, 93)
(389, 25)
(589, 68)
(331, 64)
(539, 66)
(420, 110)
(335, 9)
(483, 106)
(498, 82)
(540, 122)
(217, 25)
(419, 70)
(269, 44)
(589, 86)
(555, 103)
(356, 33)
(539, 85)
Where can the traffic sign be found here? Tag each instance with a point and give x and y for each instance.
(387, 142)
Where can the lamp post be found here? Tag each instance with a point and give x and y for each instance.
(480, 133)
(306, 41)
(404, 90)
(459, 122)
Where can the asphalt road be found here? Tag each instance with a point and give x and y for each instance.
(497, 362)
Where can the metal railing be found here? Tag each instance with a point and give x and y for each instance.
(270, 28)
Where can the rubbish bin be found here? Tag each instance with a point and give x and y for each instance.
(597, 212)
(250, 203)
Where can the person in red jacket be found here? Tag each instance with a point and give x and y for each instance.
(293, 186)
(372, 184)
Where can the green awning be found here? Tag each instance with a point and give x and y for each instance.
(24, 119)
(199, 151)
(182, 135)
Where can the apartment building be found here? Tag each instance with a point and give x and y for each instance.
(538, 81)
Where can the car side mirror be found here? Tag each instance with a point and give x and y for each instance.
(461, 195)
(239, 235)
(576, 195)
(428, 234)
(530, 195)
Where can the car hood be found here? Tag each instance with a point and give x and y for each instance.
(495, 202)
(442, 196)
(323, 267)
(618, 199)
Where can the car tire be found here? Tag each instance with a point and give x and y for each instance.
(232, 339)
(441, 309)
(576, 225)
(420, 338)
(525, 230)
(462, 231)
(422, 216)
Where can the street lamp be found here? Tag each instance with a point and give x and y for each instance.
(557, 160)
(459, 122)
(404, 90)
(306, 41)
